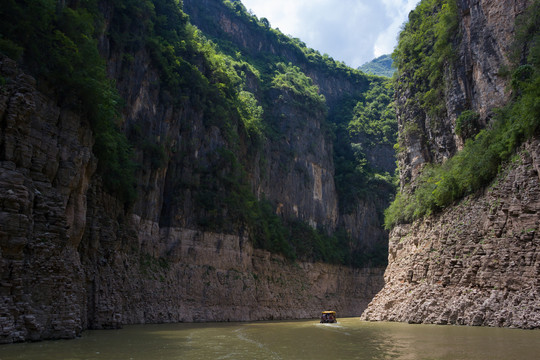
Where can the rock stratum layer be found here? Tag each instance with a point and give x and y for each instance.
(477, 263)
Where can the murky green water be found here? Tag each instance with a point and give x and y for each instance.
(349, 339)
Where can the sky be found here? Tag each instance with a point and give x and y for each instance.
(352, 31)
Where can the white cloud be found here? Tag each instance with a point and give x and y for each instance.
(353, 31)
(398, 11)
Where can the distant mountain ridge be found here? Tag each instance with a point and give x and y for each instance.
(382, 66)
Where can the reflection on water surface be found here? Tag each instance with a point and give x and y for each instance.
(348, 339)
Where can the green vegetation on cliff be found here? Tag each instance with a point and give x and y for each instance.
(374, 116)
(484, 153)
(370, 124)
(291, 78)
(360, 122)
(59, 45)
(423, 50)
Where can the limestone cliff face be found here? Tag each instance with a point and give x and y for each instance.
(215, 277)
(299, 173)
(363, 221)
(473, 81)
(45, 173)
(72, 257)
(477, 263)
(487, 30)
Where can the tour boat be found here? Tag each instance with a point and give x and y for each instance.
(328, 317)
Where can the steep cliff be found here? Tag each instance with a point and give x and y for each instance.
(242, 35)
(72, 258)
(225, 24)
(476, 263)
(95, 233)
(470, 78)
(46, 169)
(466, 252)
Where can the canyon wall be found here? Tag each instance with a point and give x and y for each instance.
(75, 256)
(477, 262)
(363, 219)
(72, 258)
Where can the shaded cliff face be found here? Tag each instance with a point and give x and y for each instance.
(46, 169)
(294, 169)
(476, 263)
(74, 256)
(361, 216)
(202, 159)
(299, 173)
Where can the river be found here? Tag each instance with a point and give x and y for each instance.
(349, 339)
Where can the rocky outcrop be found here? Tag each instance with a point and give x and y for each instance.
(477, 263)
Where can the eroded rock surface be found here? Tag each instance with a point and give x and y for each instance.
(477, 263)
(46, 163)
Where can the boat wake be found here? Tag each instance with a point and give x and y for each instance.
(241, 336)
(335, 327)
